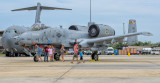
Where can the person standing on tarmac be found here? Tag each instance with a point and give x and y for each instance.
(46, 54)
(75, 53)
(50, 52)
(53, 49)
(75, 42)
(62, 50)
(39, 52)
(81, 55)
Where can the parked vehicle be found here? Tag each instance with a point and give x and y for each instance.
(99, 52)
(70, 52)
(109, 51)
(146, 50)
(155, 52)
(89, 52)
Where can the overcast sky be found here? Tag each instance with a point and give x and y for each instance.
(109, 12)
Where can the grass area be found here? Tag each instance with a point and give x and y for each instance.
(2, 54)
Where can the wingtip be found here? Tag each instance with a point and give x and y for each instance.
(147, 34)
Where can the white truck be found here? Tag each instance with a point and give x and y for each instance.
(155, 52)
(146, 50)
(109, 51)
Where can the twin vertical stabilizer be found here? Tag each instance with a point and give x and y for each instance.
(132, 28)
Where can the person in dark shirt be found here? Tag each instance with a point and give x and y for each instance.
(46, 54)
(75, 42)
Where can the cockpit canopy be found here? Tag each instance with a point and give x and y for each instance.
(10, 31)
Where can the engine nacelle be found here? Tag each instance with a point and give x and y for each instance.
(100, 30)
(78, 28)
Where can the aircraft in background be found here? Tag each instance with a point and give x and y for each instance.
(95, 36)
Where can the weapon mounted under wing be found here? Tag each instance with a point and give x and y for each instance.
(85, 42)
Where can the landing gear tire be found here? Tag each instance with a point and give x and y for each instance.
(35, 58)
(7, 54)
(94, 56)
(56, 57)
(16, 54)
(11, 54)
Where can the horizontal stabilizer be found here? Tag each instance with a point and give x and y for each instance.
(28, 8)
(41, 7)
(38, 9)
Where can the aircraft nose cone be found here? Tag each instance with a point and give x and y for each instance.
(7, 42)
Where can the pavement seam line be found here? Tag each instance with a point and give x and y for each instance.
(64, 74)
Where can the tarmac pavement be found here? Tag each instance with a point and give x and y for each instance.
(110, 69)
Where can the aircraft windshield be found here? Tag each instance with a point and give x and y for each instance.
(10, 31)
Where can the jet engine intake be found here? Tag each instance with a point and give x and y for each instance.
(78, 28)
(100, 30)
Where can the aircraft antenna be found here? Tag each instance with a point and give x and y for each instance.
(90, 11)
(124, 32)
(90, 23)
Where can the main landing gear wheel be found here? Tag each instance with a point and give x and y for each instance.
(57, 57)
(94, 56)
(7, 54)
(35, 58)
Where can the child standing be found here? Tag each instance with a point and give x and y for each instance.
(81, 56)
(50, 52)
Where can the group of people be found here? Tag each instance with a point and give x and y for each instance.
(49, 51)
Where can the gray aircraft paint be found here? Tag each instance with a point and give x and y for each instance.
(99, 35)
(132, 28)
(8, 42)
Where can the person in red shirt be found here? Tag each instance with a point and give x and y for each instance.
(75, 53)
(46, 54)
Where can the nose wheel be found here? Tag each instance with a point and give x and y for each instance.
(35, 58)
(57, 56)
(9, 54)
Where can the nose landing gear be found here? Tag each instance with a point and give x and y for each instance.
(94, 56)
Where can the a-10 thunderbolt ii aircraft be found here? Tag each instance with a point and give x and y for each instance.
(95, 36)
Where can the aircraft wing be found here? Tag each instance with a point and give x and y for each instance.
(85, 42)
